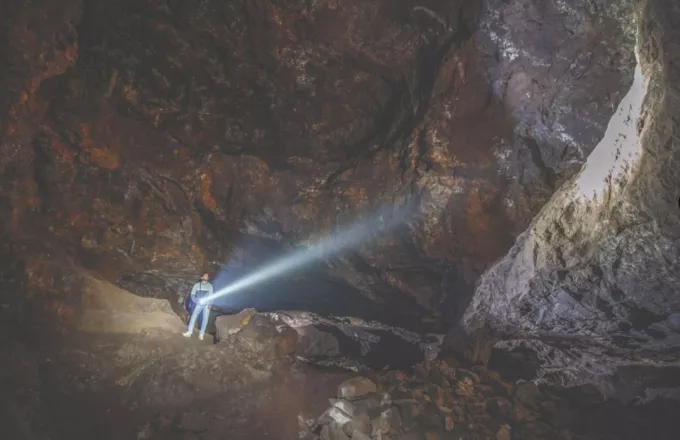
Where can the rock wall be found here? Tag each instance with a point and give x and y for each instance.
(149, 140)
(592, 285)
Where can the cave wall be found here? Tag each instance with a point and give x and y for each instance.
(592, 285)
(148, 140)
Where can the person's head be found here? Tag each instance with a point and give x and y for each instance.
(205, 277)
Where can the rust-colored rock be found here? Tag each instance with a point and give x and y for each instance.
(158, 139)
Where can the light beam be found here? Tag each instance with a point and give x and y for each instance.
(385, 220)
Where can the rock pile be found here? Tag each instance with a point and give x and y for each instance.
(442, 400)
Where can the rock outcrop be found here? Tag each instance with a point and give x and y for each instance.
(592, 285)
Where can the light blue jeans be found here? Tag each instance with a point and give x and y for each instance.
(204, 322)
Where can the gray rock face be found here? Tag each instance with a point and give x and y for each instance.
(595, 280)
(559, 67)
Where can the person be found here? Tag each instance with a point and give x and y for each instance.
(201, 289)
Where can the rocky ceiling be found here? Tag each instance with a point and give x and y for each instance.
(148, 140)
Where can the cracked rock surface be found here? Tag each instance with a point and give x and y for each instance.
(592, 285)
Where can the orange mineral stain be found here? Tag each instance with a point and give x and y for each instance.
(205, 191)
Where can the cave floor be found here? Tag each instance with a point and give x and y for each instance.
(127, 387)
(127, 373)
(152, 387)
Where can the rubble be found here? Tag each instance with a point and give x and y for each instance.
(441, 400)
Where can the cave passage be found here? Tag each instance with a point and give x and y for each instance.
(309, 290)
(343, 239)
(144, 142)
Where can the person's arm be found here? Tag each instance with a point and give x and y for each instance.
(209, 289)
(194, 290)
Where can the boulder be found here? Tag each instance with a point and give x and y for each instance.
(286, 342)
(259, 337)
(313, 342)
(334, 415)
(228, 325)
(369, 404)
(389, 422)
(344, 406)
(356, 387)
(360, 424)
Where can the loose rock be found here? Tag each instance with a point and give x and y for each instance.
(356, 387)
(477, 406)
(360, 424)
(228, 325)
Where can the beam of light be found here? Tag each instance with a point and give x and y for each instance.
(353, 236)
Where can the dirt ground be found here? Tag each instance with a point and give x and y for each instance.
(96, 388)
(126, 373)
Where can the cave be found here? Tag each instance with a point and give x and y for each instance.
(445, 219)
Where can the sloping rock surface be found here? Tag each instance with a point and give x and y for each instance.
(592, 285)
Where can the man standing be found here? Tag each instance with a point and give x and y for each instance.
(200, 290)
